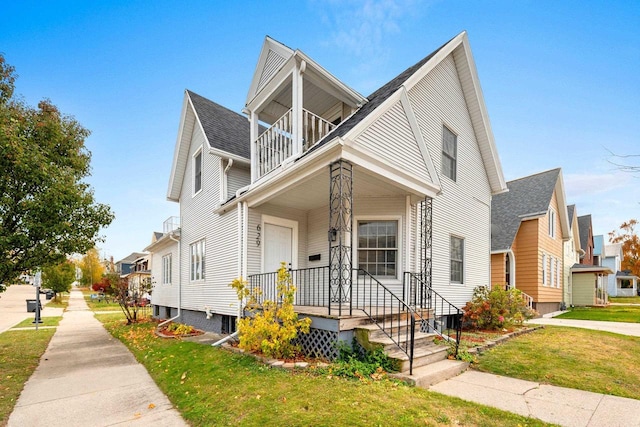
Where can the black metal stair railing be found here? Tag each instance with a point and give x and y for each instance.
(311, 286)
(396, 319)
(440, 314)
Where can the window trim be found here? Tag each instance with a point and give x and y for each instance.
(399, 245)
(551, 222)
(197, 153)
(462, 272)
(167, 267)
(544, 270)
(192, 276)
(454, 172)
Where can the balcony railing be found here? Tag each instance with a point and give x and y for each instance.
(171, 224)
(277, 144)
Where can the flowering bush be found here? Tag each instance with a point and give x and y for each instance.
(495, 309)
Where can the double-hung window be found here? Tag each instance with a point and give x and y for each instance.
(544, 269)
(457, 259)
(552, 275)
(197, 172)
(449, 153)
(166, 269)
(197, 255)
(378, 247)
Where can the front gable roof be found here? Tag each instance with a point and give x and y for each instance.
(226, 132)
(527, 198)
(461, 51)
(584, 224)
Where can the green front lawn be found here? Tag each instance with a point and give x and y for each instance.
(625, 300)
(108, 304)
(612, 313)
(20, 353)
(595, 361)
(211, 386)
(46, 321)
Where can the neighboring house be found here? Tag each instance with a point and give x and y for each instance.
(125, 265)
(529, 224)
(586, 239)
(139, 277)
(351, 193)
(598, 249)
(590, 284)
(572, 253)
(165, 251)
(623, 283)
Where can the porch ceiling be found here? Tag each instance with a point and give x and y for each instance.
(315, 100)
(314, 192)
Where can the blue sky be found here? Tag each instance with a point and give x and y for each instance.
(561, 80)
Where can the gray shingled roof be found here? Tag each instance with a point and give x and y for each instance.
(225, 130)
(571, 209)
(375, 99)
(584, 224)
(526, 197)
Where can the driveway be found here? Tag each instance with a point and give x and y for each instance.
(631, 329)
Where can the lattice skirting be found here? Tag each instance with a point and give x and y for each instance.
(319, 343)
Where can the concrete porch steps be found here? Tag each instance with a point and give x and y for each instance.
(433, 373)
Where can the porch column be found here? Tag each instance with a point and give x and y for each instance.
(297, 85)
(254, 130)
(340, 233)
(425, 217)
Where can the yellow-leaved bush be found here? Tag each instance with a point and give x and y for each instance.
(271, 326)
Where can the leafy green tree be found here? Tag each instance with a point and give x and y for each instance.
(59, 277)
(91, 267)
(47, 211)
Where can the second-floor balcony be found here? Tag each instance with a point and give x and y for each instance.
(277, 143)
(171, 224)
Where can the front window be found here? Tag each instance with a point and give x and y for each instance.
(457, 259)
(449, 153)
(166, 269)
(552, 223)
(378, 248)
(197, 260)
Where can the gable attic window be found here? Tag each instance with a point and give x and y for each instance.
(197, 172)
(449, 153)
(551, 216)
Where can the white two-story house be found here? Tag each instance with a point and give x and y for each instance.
(365, 199)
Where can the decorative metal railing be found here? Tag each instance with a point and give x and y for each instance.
(312, 286)
(439, 314)
(277, 144)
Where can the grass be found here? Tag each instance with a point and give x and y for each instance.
(612, 313)
(625, 300)
(60, 301)
(46, 321)
(99, 305)
(211, 386)
(20, 353)
(595, 361)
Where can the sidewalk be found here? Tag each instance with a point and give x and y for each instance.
(631, 329)
(559, 405)
(88, 378)
(13, 306)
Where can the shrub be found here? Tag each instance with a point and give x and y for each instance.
(272, 326)
(495, 309)
(356, 362)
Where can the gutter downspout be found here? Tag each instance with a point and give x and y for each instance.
(179, 241)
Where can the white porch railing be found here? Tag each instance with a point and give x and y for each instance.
(528, 299)
(171, 224)
(276, 144)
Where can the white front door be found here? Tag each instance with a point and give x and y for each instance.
(280, 241)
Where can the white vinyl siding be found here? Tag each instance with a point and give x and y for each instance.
(464, 206)
(237, 178)
(197, 256)
(166, 270)
(449, 153)
(271, 66)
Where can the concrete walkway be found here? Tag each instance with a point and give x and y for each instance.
(559, 405)
(88, 378)
(624, 328)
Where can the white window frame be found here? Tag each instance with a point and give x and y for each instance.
(451, 237)
(194, 162)
(166, 269)
(446, 155)
(197, 251)
(552, 272)
(551, 214)
(398, 249)
(544, 269)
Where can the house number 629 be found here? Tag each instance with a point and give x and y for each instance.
(258, 228)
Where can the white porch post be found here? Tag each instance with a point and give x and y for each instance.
(296, 106)
(253, 132)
